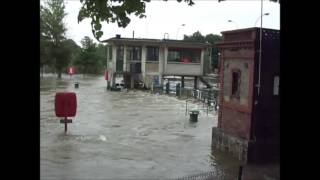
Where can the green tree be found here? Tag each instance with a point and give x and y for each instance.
(88, 61)
(45, 47)
(195, 37)
(115, 11)
(75, 50)
(45, 54)
(53, 31)
(213, 39)
(112, 11)
(62, 55)
(212, 63)
(102, 55)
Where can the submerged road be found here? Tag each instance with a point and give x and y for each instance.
(125, 135)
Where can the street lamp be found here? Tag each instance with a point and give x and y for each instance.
(260, 48)
(178, 30)
(164, 36)
(234, 23)
(265, 14)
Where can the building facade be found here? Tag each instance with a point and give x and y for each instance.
(147, 61)
(249, 113)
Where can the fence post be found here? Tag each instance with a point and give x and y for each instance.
(186, 106)
(240, 173)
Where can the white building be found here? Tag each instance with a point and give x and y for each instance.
(150, 60)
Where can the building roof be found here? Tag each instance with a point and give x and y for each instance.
(247, 37)
(248, 29)
(168, 42)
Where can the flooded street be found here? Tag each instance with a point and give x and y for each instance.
(125, 135)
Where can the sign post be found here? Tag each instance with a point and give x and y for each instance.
(106, 77)
(71, 71)
(65, 106)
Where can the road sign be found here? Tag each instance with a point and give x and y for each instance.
(65, 106)
(71, 70)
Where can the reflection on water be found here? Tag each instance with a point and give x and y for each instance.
(121, 135)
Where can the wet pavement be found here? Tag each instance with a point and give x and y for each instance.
(125, 135)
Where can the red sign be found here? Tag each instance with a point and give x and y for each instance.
(106, 76)
(184, 59)
(65, 104)
(71, 70)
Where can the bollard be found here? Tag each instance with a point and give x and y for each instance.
(167, 88)
(178, 89)
(186, 107)
(194, 115)
(216, 106)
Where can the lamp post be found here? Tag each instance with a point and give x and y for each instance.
(179, 29)
(233, 22)
(164, 36)
(260, 49)
(265, 14)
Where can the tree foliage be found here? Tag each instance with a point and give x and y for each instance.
(102, 54)
(209, 38)
(90, 59)
(112, 11)
(115, 11)
(51, 17)
(213, 39)
(52, 35)
(75, 50)
(62, 54)
(195, 37)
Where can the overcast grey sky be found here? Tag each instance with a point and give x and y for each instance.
(206, 16)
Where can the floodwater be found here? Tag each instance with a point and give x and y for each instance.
(125, 135)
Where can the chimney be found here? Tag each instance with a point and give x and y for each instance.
(133, 34)
(118, 36)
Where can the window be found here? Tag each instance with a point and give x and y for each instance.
(184, 55)
(119, 61)
(135, 67)
(276, 85)
(134, 53)
(110, 52)
(173, 55)
(152, 54)
(120, 53)
(236, 76)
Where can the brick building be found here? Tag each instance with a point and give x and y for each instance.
(249, 114)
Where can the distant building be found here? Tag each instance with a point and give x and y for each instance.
(148, 61)
(249, 117)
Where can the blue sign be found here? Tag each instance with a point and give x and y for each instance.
(156, 80)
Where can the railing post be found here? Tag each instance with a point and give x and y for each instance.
(186, 106)
(240, 173)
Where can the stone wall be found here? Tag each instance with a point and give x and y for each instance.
(237, 147)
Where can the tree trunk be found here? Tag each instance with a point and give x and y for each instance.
(59, 74)
(85, 71)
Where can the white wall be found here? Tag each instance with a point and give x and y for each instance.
(161, 59)
(183, 69)
(124, 58)
(143, 61)
(202, 61)
(114, 55)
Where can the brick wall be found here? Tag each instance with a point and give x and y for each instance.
(235, 122)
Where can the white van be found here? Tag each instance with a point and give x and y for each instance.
(119, 83)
